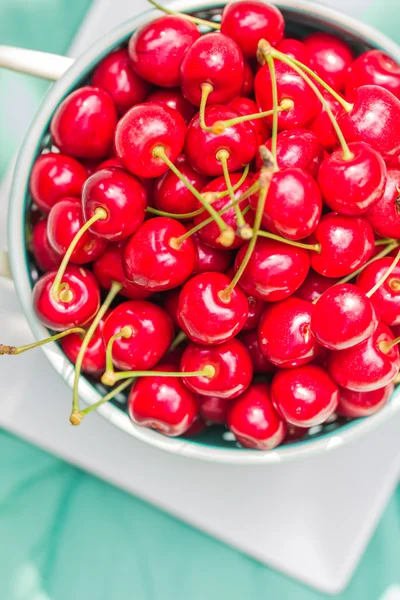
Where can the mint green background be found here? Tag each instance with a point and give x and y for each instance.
(65, 535)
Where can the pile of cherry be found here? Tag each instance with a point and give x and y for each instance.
(217, 224)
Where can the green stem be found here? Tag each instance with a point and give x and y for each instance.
(382, 280)
(278, 238)
(271, 66)
(14, 350)
(206, 89)
(387, 250)
(238, 184)
(180, 338)
(126, 332)
(385, 241)
(78, 415)
(207, 371)
(223, 156)
(196, 20)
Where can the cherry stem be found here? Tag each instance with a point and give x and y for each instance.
(78, 415)
(125, 333)
(112, 378)
(382, 280)
(237, 185)
(278, 238)
(61, 291)
(206, 89)
(180, 338)
(14, 350)
(385, 347)
(223, 156)
(219, 126)
(387, 250)
(385, 241)
(271, 66)
(196, 20)
(114, 290)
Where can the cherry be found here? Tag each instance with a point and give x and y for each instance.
(261, 365)
(162, 403)
(149, 338)
(208, 258)
(170, 304)
(248, 21)
(384, 215)
(350, 186)
(154, 259)
(55, 176)
(346, 244)
(141, 129)
(284, 333)
(373, 67)
(172, 195)
(108, 268)
(354, 405)
(295, 433)
(204, 316)
(329, 57)
(110, 162)
(248, 84)
(173, 98)
(297, 148)
(256, 308)
(322, 126)
(121, 196)
(45, 256)
(77, 303)
(386, 299)
(314, 286)
(275, 270)
(247, 106)
(232, 364)
(305, 396)
(197, 427)
(83, 124)
(213, 69)
(213, 410)
(294, 49)
(94, 360)
(115, 75)
(158, 48)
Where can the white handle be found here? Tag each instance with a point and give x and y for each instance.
(33, 62)
(5, 270)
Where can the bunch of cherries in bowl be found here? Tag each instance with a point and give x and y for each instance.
(217, 227)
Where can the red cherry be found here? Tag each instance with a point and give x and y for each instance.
(248, 21)
(314, 286)
(94, 359)
(256, 308)
(373, 67)
(110, 162)
(351, 319)
(217, 60)
(261, 365)
(322, 126)
(141, 129)
(297, 148)
(123, 198)
(247, 106)
(55, 176)
(45, 256)
(294, 49)
(386, 299)
(275, 270)
(305, 396)
(384, 215)
(162, 403)
(152, 333)
(170, 304)
(248, 84)
(350, 186)
(64, 222)
(83, 124)
(173, 98)
(158, 48)
(75, 308)
(208, 258)
(329, 57)
(232, 364)
(115, 75)
(354, 405)
(254, 421)
(346, 244)
(204, 316)
(284, 333)
(153, 261)
(213, 410)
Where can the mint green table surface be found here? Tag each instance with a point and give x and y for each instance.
(65, 535)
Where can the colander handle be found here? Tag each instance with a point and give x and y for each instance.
(5, 270)
(33, 62)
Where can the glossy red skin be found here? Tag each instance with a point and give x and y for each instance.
(58, 315)
(208, 258)
(256, 308)
(374, 119)
(284, 333)
(122, 196)
(94, 359)
(213, 410)
(343, 317)
(83, 124)
(63, 223)
(305, 396)
(115, 75)
(210, 233)
(275, 270)
(248, 84)
(384, 215)
(170, 304)
(352, 186)
(354, 405)
(314, 286)
(151, 263)
(346, 244)
(249, 21)
(261, 365)
(232, 363)
(386, 299)
(329, 57)
(290, 86)
(322, 126)
(55, 176)
(162, 403)
(110, 162)
(373, 67)
(152, 334)
(46, 257)
(296, 148)
(293, 49)
(203, 316)
(108, 268)
(247, 106)
(364, 368)
(239, 140)
(174, 98)
(141, 129)
(171, 194)
(254, 420)
(214, 58)
(158, 48)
